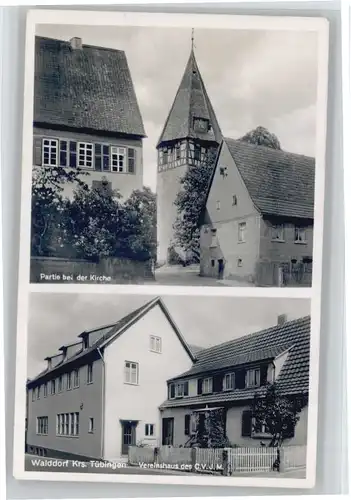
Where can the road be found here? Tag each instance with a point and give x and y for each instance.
(188, 276)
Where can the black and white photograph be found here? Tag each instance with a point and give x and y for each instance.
(176, 155)
(150, 385)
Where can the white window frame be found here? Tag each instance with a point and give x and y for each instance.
(85, 150)
(53, 387)
(76, 378)
(251, 377)
(50, 146)
(242, 232)
(155, 344)
(45, 390)
(298, 232)
(131, 373)
(179, 390)
(278, 232)
(149, 430)
(60, 384)
(214, 238)
(69, 381)
(118, 154)
(231, 377)
(42, 426)
(90, 373)
(207, 385)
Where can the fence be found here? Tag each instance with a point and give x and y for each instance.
(221, 460)
(284, 274)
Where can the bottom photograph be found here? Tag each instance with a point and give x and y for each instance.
(172, 385)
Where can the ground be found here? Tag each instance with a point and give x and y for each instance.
(189, 276)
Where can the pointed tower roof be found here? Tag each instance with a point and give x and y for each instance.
(191, 101)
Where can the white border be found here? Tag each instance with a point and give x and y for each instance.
(319, 25)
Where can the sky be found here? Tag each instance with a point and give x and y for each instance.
(253, 78)
(58, 318)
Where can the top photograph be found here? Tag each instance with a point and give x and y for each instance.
(176, 156)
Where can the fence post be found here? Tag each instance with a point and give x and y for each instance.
(156, 454)
(281, 459)
(193, 459)
(225, 461)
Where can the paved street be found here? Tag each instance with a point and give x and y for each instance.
(188, 276)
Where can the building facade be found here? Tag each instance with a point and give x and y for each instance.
(103, 392)
(190, 136)
(258, 220)
(86, 115)
(225, 378)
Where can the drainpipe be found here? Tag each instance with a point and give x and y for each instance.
(103, 404)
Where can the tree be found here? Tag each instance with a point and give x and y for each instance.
(261, 137)
(47, 206)
(277, 413)
(210, 429)
(190, 202)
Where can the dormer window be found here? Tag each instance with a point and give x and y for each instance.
(178, 390)
(207, 385)
(253, 378)
(228, 382)
(201, 125)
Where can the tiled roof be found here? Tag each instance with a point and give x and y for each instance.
(293, 336)
(101, 336)
(89, 88)
(279, 183)
(190, 101)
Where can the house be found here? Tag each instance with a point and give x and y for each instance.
(225, 378)
(257, 223)
(86, 114)
(102, 393)
(190, 136)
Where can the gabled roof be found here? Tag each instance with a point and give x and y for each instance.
(279, 183)
(87, 88)
(191, 101)
(292, 337)
(108, 333)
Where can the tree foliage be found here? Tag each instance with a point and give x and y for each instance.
(260, 136)
(210, 429)
(190, 202)
(279, 414)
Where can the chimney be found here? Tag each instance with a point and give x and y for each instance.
(48, 359)
(63, 349)
(282, 318)
(76, 43)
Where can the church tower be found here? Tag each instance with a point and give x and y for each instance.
(190, 131)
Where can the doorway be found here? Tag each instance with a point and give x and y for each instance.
(167, 431)
(128, 434)
(220, 269)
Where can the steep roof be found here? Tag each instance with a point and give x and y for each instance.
(103, 335)
(89, 88)
(191, 101)
(292, 337)
(279, 183)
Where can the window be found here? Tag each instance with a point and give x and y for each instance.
(131, 160)
(90, 373)
(118, 159)
(300, 234)
(177, 152)
(228, 382)
(201, 125)
(187, 419)
(218, 205)
(149, 429)
(181, 389)
(213, 238)
(240, 262)
(164, 156)
(131, 372)
(68, 153)
(85, 155)
(155, 344)
(34, 394)
(253, 378)
(234, 200)
(50, 147)
(91, 425)
(42, 425)
(38, 391)
(72, 154)
(207, 385)
(69, 381)
(59, 389)
(246, 423)
(197, 152)
(53, 386)
(278, 232)
(101, 157)
(45, 390)
(212, 263)
(63, 153)
(241, 232)
(67, 424)
(75, 379)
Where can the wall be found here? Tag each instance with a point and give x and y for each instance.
(125, 183)
(226, 218)
(168, 186)
(88, 395)
(140, 402)
(179, 437)
(109, 270)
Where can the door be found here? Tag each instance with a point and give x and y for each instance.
(220, 268)
(128, 435)
(167, 431)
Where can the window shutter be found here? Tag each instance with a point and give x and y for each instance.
(240, 379)
(246, 423)
(263, 375)
(37, 150)
(217, 383)
(131, 161)
(199, 386)
(172, 390)
(187, 425)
